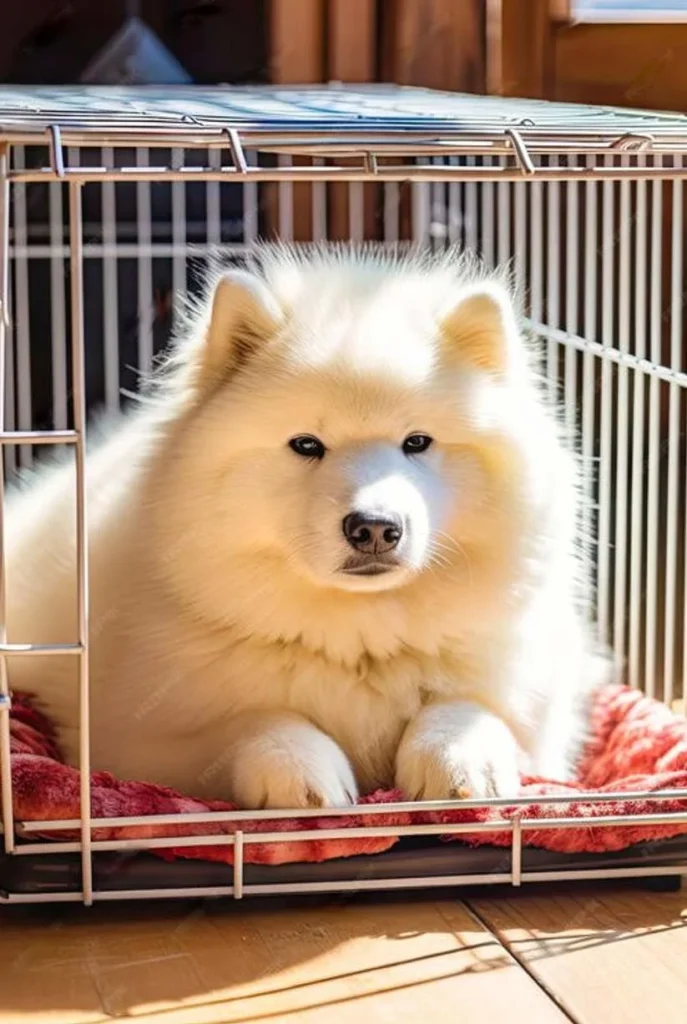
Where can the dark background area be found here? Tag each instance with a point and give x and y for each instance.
(52, 41)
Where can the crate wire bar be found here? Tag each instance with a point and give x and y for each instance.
(604, 171)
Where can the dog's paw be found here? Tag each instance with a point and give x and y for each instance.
(457, 752)
(292, 765)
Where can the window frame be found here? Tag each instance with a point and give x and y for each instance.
(566, 10)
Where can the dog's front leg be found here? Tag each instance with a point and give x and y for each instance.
(457, 750)
(279, 759)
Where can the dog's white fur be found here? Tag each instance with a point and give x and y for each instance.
(230, 656)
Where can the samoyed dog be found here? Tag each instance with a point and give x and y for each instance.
(333, 550)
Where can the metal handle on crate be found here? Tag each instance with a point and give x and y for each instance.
(633, 142)
(236, 149)
(56, 154)
(525, 161)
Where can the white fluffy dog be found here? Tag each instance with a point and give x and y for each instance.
(334, 551)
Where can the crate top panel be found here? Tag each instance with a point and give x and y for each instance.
(106, 114)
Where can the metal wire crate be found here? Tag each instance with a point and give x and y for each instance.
(121, 192)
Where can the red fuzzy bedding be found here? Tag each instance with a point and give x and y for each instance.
(638, 745)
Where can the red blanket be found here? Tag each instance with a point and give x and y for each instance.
(638, 745)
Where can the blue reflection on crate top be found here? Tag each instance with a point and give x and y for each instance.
(322, 108)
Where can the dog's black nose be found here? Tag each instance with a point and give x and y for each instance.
(372, 535)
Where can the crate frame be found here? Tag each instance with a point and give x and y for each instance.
(518, 134)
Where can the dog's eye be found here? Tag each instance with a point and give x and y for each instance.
(416, 443)
(307, 446)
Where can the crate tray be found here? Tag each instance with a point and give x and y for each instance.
(419, 858)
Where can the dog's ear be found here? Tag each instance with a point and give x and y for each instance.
(244, 316)
(479, 327)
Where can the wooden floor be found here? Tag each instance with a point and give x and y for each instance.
(605, 954)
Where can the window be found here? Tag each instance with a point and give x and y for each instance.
(629, 10)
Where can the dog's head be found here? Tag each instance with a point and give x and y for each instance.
(356, 424)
